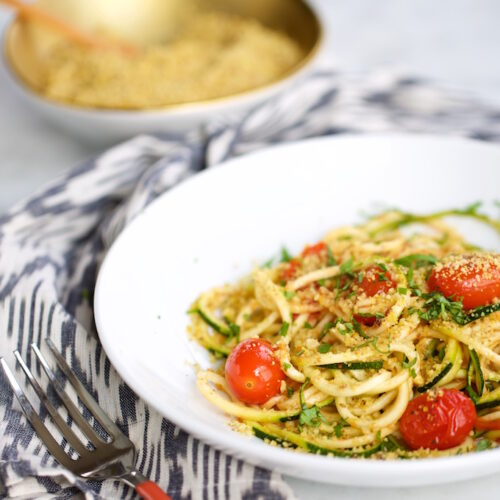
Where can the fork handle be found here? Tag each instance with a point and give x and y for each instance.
(145, 488)
(151, 491)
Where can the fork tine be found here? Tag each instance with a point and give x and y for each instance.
(43, 433)
(73, 410)
(113, 430)
(65, 429)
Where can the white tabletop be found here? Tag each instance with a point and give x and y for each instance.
(455, 41)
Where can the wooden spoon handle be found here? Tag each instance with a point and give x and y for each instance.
(65, 29)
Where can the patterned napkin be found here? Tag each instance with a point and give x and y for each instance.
(51, 247)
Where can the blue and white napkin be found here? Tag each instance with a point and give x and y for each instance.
(52, 244)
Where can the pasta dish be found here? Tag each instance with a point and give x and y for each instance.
(382, 340)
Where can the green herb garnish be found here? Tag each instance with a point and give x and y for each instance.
(324, 348)
(347, 266)
(409, 365)
(284, 329)
(484, 444)
(285, 255)
(325, 329)
(330, 259)
(337, 429)
(311, 417)
(355, 365)
(416, 260)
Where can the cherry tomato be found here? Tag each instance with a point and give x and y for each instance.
(474, 278)
(291, 269)
(483, 424)
(375, 281)
(365, 320)
(438, 420)
(253, 373)
(314, 249)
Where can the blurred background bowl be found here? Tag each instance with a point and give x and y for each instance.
(149, 22)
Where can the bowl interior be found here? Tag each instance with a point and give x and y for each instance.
(148, 22)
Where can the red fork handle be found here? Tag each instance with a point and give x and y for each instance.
(151, 491)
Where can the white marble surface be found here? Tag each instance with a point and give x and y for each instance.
(455, 41)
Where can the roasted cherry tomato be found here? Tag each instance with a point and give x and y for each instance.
(253, 373)
(439, 419)
(314, 249)
(484, 424)
(291, 269)
(474, 278)
(376, 280)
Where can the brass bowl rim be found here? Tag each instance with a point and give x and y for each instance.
(191, 106)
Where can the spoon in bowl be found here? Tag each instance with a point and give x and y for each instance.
(69, 31)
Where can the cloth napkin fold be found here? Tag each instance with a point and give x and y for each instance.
(52, 244)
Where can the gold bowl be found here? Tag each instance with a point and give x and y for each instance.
(146, 22)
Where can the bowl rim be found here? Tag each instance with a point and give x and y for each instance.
(191, 107)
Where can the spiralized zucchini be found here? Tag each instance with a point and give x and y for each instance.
(362, 358)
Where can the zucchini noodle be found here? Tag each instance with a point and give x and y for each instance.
(354, 358)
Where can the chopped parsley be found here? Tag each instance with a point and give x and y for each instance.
(324, 348)
(289, 294)
(347, 326)
(285, 255)
(484, 444)
(337, 429)
(382, 266)
(307, 325)
(284, 329)
(330, 259)
(290, 391)
(311, 417)
(347, 267)
(357, 328)
(402, 290)
(355, 365)
(286, 366)
(437, 306)
(410, 366)
(416, 260)
(268, 263)
(234, 330)
(327, 327)
(373, 343)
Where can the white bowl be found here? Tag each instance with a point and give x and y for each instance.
(211, 228)
(98, 126)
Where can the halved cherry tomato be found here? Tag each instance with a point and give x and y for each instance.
(291, 270)
(314, 249)
(365, 320)
(253, 373)
(483, 424)
(438, 420)
(376, 280)
(475, 279)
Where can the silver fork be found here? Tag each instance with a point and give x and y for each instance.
(107, 460)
